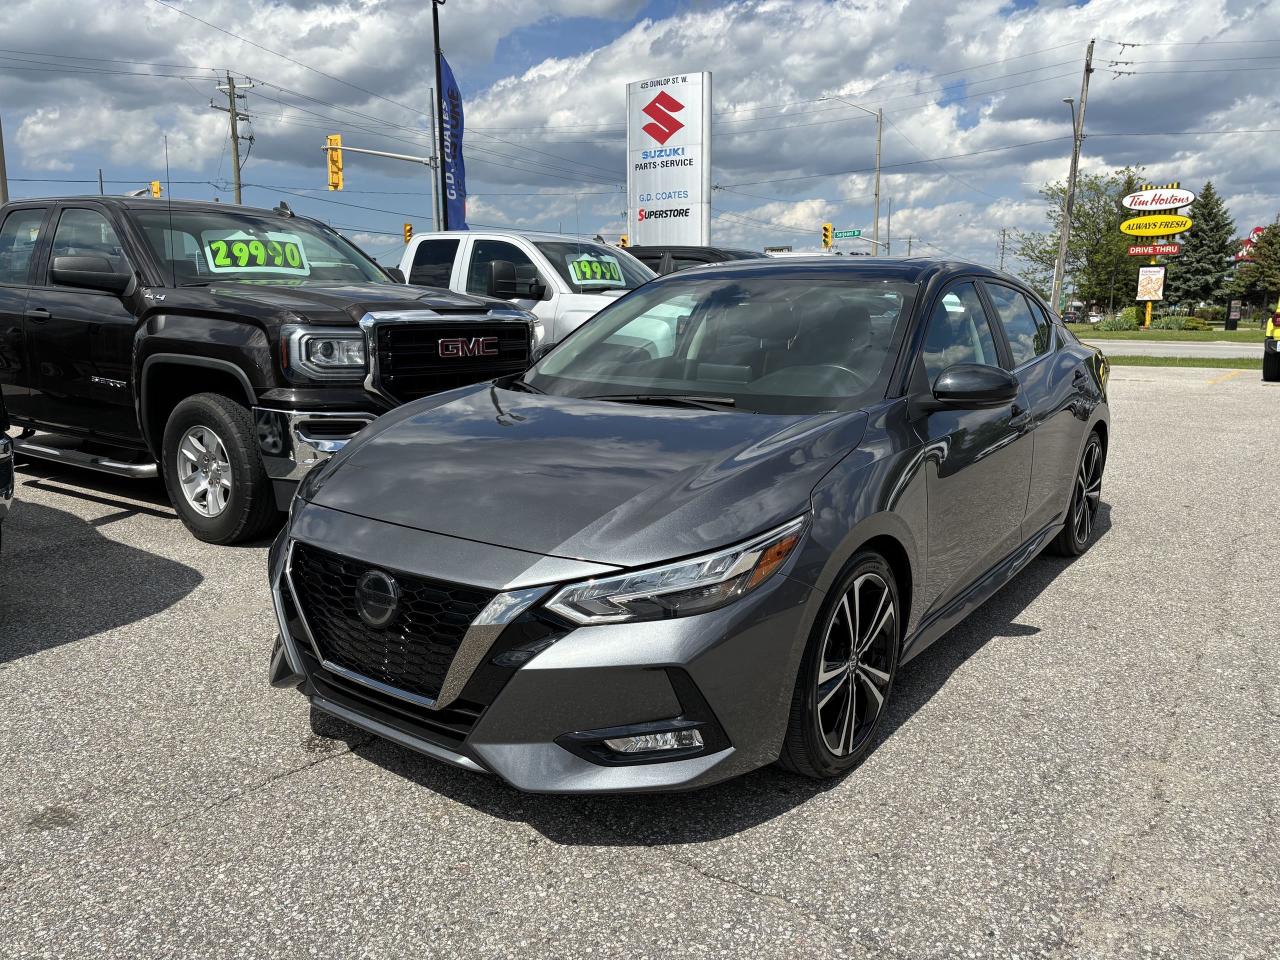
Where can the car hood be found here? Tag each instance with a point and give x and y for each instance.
(591, 480)
(341, 302)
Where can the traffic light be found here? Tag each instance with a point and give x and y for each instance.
(334, 152)
(828, 234)
(623, 241)
(408, 232)
(156, 189)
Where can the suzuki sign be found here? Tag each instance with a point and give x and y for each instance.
(669, 160)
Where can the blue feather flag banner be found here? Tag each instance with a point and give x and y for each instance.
(455, 171)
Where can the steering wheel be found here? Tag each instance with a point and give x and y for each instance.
(861, 381)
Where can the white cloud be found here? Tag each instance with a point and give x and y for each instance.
(965, 80)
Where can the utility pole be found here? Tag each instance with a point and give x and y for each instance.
(1059, 268)
(233, 110)
(1003, 232)
(879, 115)
(102, 187)
(4, 176)
(439, 151)
(875, 227)
(909, 239)
(888, 230)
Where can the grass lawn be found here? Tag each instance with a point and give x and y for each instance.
(1231, 363)
(1090, 332)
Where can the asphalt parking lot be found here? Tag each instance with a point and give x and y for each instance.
(1086, 768)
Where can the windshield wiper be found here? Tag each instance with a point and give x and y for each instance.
(675, 399)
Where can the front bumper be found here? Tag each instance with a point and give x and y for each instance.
(731, 670)
(292, 442)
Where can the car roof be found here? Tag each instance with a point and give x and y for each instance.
(504, 232)
(151, 203)
(905, 269)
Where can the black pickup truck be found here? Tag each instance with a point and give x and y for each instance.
(225, 348)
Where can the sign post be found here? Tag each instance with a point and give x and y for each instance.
(669, 160)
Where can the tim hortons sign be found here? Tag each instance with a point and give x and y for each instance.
(1158, 199)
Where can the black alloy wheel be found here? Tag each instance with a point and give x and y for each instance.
(1086, 497)
(847, 673)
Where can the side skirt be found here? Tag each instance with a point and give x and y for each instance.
(939, 622)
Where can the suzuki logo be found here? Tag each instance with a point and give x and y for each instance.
(468, 346)
(659, 110)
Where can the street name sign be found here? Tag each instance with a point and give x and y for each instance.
(848, 234)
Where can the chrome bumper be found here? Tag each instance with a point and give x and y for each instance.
(292, 442)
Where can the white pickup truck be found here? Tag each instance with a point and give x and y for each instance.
(562, 280)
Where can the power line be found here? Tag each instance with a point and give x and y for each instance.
(963, 183)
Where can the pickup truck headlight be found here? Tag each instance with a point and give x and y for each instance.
(321, 353)
(680, 589)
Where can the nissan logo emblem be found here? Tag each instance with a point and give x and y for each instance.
(377, 598)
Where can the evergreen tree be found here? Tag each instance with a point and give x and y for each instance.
(1202, 270)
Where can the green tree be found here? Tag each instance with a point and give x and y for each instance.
(1258, 279)
(1201, 272)
(1098, 269)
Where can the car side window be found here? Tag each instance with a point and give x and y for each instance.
(958, 332)
(485, 252)
(18, 238)
(87, 233)
(1028, 332)
(433, 263)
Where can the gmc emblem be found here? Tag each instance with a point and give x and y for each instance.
(468, 346)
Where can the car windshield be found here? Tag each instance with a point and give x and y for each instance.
(759, 344)
(594, 268)
(201, 247)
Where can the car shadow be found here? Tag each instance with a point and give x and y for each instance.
(727, 808)
(53, 589)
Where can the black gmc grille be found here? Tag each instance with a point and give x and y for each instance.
(411, 365)
(414, 651)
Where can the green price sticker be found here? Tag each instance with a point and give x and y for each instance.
(265, 253)
(596, 271)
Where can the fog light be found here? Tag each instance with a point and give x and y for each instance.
(671, 740)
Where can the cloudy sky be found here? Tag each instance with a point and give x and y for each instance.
(972, 95)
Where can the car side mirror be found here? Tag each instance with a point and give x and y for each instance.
(541, 352)
(502, 279)
(91, 273)
(974, 386)
(396, 274)
(505, 283)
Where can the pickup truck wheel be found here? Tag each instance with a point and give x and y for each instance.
(212, 470)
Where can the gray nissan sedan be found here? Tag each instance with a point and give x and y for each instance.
(702, 534)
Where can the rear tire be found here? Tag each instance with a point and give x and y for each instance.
(1086, 496)
(1271, 365)
(213, 473)
(846, 677)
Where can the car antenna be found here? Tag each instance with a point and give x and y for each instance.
(283, 209)
(168, 190)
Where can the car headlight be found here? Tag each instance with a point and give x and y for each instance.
(321, 353)
(680, 589)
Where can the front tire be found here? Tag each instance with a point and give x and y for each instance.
(212, 470)
(1271, 364)
(847, 674)
(1086, 497)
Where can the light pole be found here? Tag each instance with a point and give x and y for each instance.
(879, 115)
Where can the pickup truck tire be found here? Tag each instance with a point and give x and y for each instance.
(213, 473)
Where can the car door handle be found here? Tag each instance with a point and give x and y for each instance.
(37, 314)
